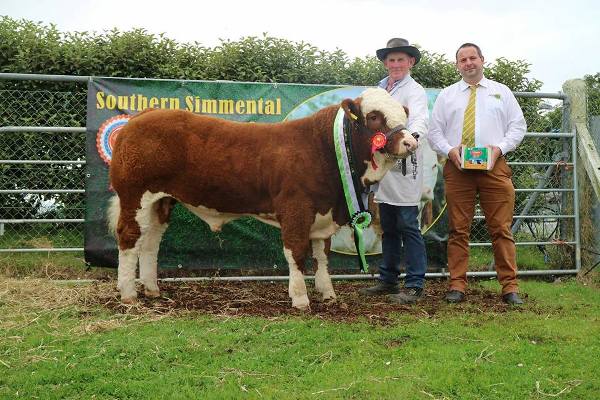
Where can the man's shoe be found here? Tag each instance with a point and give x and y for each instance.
(512, 298)
(380, 289)
(455, 296)
(407, 296)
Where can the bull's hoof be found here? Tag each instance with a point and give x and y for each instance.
(329, 297)
(152, 294)
(329, 300)
(301, 303)
(129, 300)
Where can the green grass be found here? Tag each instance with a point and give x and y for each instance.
(54, 265)
(528, 258)
(54, 347)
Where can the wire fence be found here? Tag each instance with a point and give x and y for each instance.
(42, 159)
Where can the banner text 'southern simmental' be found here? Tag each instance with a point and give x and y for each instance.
(195, 104)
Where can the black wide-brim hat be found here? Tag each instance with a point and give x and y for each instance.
(400, 45)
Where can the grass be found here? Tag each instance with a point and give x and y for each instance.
(57, 343)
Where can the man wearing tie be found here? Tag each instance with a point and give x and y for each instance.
(478, 112)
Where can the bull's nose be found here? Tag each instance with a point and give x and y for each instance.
(409, 145)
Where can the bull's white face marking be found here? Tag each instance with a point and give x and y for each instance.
(379, 99)
(407, 145)
(403, 149)
(297, 286)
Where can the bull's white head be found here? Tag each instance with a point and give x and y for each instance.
(382, 113)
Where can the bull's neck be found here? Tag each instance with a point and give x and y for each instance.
(360, 152)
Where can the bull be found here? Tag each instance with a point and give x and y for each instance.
(284, 174)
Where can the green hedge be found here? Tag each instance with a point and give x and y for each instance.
(28, 47)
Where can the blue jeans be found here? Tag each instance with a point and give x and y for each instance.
(401, 232)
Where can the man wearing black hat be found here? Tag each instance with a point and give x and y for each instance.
(399, 192)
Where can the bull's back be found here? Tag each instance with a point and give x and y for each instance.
(146, 148)
(210, 161)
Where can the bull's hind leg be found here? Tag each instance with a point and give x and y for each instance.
(322, 279)
(126, 280)
(128, 235)
(139, 230)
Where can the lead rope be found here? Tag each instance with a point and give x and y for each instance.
(413, 160)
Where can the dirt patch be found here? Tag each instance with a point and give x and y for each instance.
(270, 299)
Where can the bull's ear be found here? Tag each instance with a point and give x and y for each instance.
(405, 110)
(351, 109)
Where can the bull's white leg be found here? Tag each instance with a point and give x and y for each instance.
(126, 274)
(297, 287)
(322, 279)
(151, 233)
(150, 244)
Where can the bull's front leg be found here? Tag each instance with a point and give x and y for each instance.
(323, 283)
(295, 230)
(297, 286)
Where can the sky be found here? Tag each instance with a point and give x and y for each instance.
(559, 39)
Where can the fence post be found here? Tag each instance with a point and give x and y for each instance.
(587, 156)
(595, 132)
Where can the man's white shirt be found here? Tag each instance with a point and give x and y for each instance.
(499, 119)
(395, 188)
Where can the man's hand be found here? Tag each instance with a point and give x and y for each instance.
(496, 153)
(454, 156)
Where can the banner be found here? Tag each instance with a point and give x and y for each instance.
(188, 243)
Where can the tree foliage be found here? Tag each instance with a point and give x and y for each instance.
(28, 47)
(592, 83)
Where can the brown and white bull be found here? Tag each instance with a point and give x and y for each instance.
(284, 174)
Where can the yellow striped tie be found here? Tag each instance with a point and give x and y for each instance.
(468, 133)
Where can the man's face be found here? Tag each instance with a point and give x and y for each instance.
(398, 65)
(469, 64)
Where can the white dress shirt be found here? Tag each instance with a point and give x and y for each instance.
(397, 189)
(499, 120)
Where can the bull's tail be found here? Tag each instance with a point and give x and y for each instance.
(112, 214)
